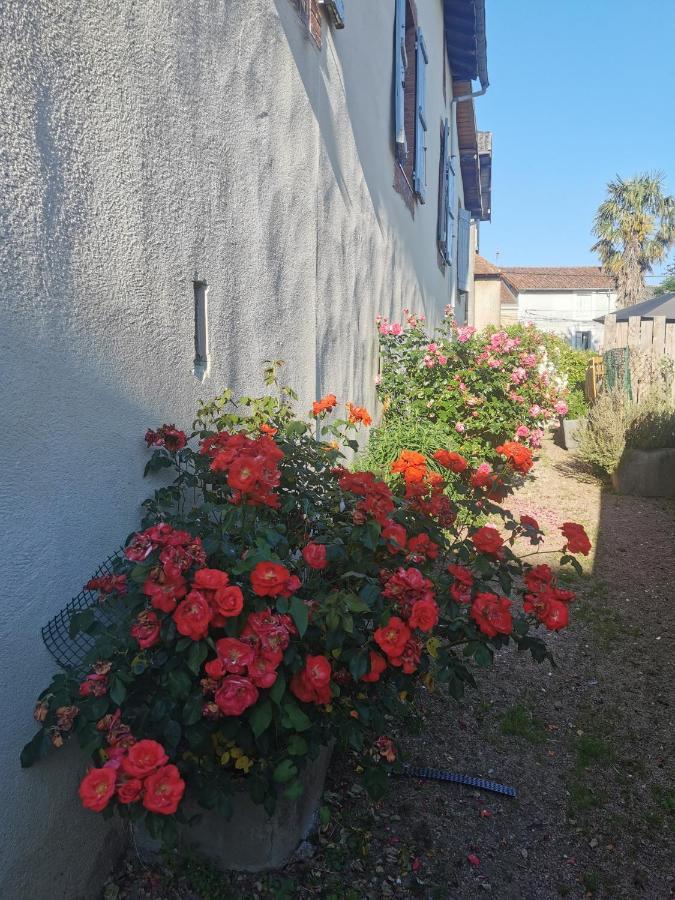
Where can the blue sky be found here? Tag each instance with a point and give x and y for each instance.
(580, 90)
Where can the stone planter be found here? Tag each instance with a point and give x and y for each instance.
(568, 432)
(646, 473)
(251, 841)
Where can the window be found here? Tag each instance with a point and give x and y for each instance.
(410, 98)
(336, 11)
(446, 198)
(201, 364)
(308, 11)
(582, 340)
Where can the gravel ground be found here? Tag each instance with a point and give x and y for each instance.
(588, 746)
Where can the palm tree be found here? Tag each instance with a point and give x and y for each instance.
(635, 227)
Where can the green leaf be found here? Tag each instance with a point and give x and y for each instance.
(294, 790)
(172, 734)
(98, 708)
(118, 691)
(179, 683)
(297, 745)
(358, 664)
(295, 718)
(299, 614)
(278, 689)
(261, 718)
(324, 815)
(192, 711)
(196, 656)
(285, 771)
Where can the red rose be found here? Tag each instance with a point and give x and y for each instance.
(129, 791)
(228, 601)
(235, 655)
(461, 589)
(145, 629)
(325, 404)
(488, 540)
(492, 614)
(269, 579)
(163, 791)
(538, 577)
(392, 637)
(193, 615)
(318, 670)
(214, 668)
(315, 556)
(211, 579)
(377, 666)
(164, 592)
(409, 658)
(422, 546)
(395, 537)
(452, 461)
(412, 465)
(576, 538)
(236, 694)
(424, 615)
(556, 616)
(144, 757)
(94, 685)
(97, 787)
(517, 455)
(262, 672)
(244, 474)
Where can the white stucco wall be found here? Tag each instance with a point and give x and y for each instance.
(567, 312)
(145, 144)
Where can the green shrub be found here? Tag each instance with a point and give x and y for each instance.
(397, 434)
(614, 423)
(652, 426)
(602, 438)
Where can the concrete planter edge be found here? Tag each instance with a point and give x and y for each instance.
(251, 840)
(646, 473)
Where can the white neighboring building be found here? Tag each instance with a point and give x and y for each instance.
(564, 300)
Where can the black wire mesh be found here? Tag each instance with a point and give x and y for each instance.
(71, 652)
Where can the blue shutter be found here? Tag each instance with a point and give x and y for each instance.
(336, 8)
(400, 66)
(450, 229)
(446, 198)
(463, 250)
(443, 191)
(420, 174)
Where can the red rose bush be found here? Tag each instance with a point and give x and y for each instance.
(274, 602)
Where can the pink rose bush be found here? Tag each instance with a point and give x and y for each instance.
(485, 388)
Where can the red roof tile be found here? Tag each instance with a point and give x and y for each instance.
(564, 278)
(482, 267)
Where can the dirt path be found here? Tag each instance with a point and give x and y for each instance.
(588, 745)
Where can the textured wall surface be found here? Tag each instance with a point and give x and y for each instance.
(145, 144)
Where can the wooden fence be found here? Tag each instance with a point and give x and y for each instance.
(651, 345)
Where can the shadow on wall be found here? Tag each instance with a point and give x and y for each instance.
(72, 482)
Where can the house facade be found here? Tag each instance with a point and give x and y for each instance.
(190, 189)
(564, 300)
